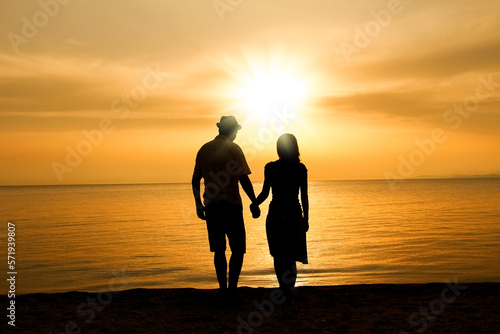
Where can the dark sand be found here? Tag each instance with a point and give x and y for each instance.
(387, 308)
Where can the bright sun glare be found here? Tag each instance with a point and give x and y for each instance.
(262, 92)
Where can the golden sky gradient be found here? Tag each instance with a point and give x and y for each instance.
(386, 89)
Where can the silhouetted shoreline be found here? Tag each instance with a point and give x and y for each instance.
(378, 308)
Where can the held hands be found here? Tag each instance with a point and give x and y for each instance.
(255, 210)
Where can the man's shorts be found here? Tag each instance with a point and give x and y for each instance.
(225, 218)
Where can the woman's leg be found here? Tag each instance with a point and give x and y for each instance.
(286, 272)
(278, 268)
(289, 274)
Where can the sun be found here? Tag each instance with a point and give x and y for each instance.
(264, 92)
(265, 89)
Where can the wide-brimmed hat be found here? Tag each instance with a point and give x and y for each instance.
(228, 123)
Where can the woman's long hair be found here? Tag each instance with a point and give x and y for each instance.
(288, 149)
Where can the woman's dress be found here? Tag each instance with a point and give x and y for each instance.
(285, 232)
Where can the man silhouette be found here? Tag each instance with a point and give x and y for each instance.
(222, 164)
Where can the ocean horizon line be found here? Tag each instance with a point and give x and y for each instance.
(416, 178)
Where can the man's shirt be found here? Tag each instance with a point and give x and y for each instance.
(220, 163)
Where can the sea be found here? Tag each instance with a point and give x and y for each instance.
(115, 237)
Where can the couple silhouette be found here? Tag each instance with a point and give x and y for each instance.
(222, 165)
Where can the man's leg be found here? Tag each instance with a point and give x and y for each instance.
(237, 241)
(220, 264)
(217, 240)
(235, 264)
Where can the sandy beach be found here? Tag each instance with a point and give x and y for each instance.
(385, 308)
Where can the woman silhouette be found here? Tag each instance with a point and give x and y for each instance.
(286, 224)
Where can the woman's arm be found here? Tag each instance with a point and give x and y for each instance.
(265, 189)
(264, 193)
(254, 207)
(304, 198)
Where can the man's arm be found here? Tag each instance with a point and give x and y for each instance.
(200, 209)
(246, 184)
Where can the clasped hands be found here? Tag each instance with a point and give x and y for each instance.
(255, 210)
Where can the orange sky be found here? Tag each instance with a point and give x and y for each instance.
(388, 89)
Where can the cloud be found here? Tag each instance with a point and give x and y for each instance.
(423, 102)
(436, 64)
(72, 41)
(395, 101)
(50, 94)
